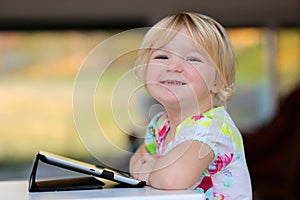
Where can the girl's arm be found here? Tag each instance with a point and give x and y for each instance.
(182, 166)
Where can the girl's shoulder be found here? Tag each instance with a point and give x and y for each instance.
(205, 119)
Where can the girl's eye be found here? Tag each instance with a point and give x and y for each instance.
(194, 60)
(161, 57)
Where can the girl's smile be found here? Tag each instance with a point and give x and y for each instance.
(172, 83)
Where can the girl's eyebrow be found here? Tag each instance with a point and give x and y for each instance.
(157, 51)
(197, 53)
(188, 53)
(162, 49)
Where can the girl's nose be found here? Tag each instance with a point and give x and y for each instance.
(175, 65)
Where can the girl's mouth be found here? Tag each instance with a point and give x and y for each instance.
(172, 83)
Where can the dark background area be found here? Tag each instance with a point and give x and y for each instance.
(90, 14)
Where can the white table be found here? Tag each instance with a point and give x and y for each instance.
(18, 190)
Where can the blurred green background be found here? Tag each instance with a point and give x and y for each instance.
(38, 70)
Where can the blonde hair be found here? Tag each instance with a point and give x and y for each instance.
(207, 34)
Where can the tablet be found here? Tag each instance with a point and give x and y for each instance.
(88, 169)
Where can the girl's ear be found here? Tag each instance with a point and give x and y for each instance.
(216, 88)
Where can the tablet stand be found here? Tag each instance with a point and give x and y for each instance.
(81, 183)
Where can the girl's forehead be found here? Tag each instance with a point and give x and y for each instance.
(181, 40)
(163, 35)
(181, 34)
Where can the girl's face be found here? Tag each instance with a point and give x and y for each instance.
(177, 74)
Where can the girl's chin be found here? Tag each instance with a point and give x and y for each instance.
(169, 99)
(165, 98)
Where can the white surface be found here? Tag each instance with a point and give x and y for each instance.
(13, 190)
(18, 190)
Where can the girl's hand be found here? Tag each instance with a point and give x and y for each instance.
(143, 167)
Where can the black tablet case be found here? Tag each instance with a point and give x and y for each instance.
(79, 183)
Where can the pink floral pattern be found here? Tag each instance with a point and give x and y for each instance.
(205, 184)
(197, 117)
(220, 163)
